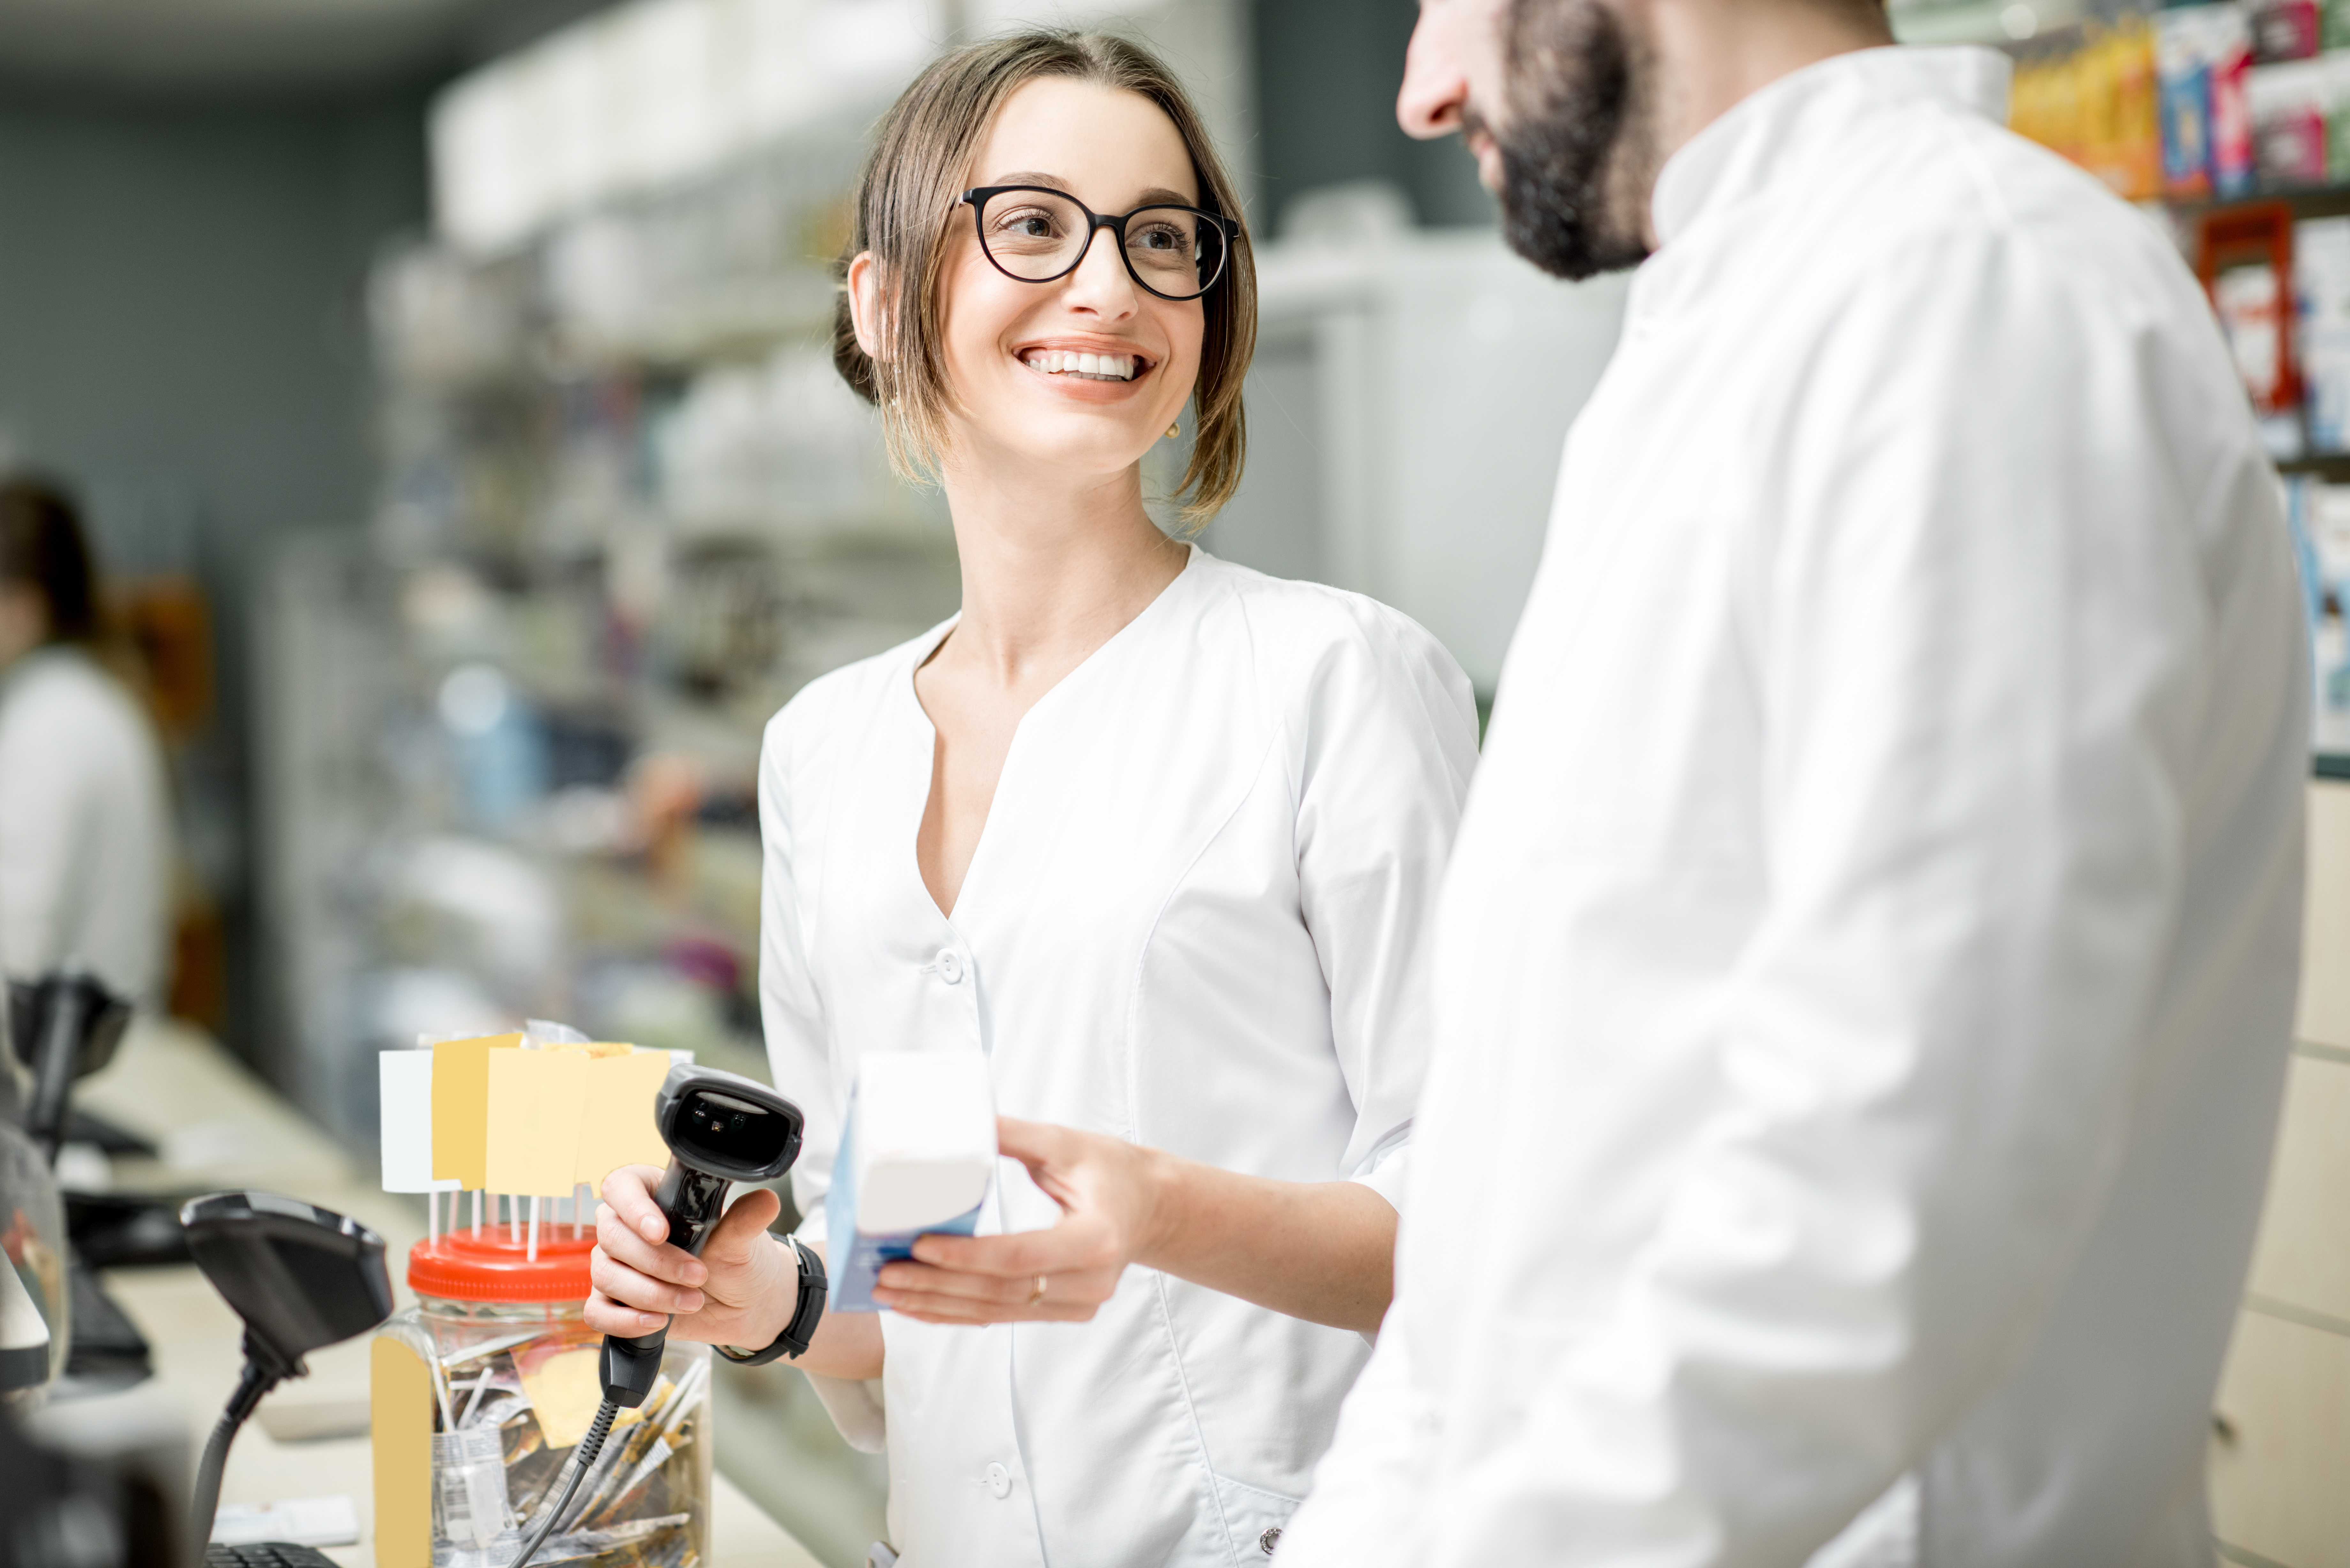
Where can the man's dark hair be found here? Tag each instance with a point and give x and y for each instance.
(43, 546)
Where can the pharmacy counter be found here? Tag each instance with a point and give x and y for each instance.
(219, 1127)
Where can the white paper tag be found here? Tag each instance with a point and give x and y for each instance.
(405, 1078)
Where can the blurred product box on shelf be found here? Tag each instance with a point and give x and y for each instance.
(2322, 291)
(2320, 515)
(2284, 29)
(2203, 56)
(2252, 305)
(2300, 121)
(2244, 257)
(2097, 105)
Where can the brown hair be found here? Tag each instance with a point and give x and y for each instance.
(905, 207)
(42, 547)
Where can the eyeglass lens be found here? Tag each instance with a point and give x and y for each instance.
(1038, 236)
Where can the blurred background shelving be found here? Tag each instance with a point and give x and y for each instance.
(450, 382)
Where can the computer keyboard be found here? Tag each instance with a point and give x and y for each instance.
(265, 1554)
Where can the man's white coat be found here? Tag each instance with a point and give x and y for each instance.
(1865, 977)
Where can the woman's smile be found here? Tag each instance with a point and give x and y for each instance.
(1089, 369)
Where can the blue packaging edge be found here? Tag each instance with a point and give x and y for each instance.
(855, 1257)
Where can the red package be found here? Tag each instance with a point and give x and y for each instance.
(2231, 124)
(2285, 30)
(2291, 149)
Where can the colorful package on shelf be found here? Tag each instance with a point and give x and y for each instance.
(2097, 106)
(2333, 23)
(2043, 104)
(2291, 106)
(2203, 59)
(2250, 307)
(2321, 267)
(2284, 29)
(2319, 516)
(2124, 144)
(2231, 114)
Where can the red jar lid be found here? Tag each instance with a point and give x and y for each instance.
(492, 1265)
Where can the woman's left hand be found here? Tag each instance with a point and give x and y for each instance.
(1109, 1194)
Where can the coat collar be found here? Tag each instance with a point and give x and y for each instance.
(1770, 132)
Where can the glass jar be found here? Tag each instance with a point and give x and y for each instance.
(495, 1366)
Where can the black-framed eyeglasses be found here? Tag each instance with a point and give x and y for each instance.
(1037, 234)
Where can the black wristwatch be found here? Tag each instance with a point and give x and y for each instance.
(794, 1341)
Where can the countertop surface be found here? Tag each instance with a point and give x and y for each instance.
(220, 1127)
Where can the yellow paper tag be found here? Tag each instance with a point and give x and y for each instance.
(618, 1127)
(461, 1108)
(563, 1392)
(537, 1100)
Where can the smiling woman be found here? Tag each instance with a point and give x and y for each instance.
(1175, 832)
(909, 230)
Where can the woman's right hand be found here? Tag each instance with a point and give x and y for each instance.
(740, 1290)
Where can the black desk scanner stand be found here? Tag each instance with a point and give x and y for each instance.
(721, 1129)
(301, 1278)
(65, 1026)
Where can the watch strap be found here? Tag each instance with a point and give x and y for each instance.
(807, 1312)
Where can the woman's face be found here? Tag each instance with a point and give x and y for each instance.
(1013, 393)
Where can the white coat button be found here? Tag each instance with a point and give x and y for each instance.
(1269, 1540)
(999, 1480)
(950, 965)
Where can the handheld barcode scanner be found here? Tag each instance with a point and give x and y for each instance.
(721, 1129)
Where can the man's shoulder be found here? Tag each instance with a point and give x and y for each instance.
(1938, 180)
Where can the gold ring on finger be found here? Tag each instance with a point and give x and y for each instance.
(1038, 1293)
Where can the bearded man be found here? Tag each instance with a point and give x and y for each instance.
(1867, 966)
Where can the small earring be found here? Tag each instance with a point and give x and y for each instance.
(1173, 431)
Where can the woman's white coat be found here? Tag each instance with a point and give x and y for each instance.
(1197, 919)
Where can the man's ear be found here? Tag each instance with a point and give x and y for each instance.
(865, 304)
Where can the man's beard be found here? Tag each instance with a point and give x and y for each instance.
(1574, 166)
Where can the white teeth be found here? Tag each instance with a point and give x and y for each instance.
(1100, 366)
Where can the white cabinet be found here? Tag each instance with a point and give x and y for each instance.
(1410, 396)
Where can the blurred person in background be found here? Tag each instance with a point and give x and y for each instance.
(84, 855)
(1158, 834)
(1865, 980)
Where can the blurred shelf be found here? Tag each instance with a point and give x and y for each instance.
(2334, 467)
(2306, 201)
